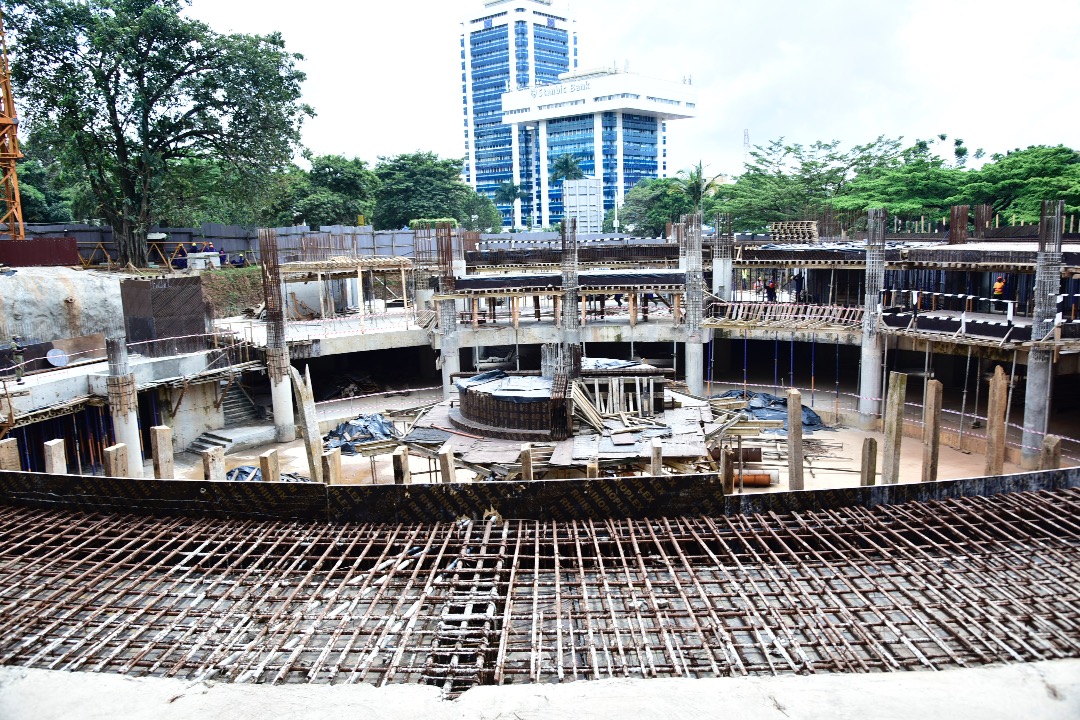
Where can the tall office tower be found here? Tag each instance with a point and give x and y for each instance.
(512, 44)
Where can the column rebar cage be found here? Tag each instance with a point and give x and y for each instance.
(571, 285)
(875, 268)
(273, 297)
(1048, 269)
(695, 278)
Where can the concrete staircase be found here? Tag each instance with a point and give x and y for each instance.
(238, 408)
(209, 441)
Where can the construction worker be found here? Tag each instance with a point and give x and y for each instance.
(770, 291)
(17, 359)
(999, 294)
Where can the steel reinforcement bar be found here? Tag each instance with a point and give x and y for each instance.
(955, 583)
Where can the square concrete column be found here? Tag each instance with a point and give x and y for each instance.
(9, 454)
(656, 458)
(446, 466)
(213, 463)
(116, 461)
(794, 440)
(526, 462)
(331, 463)
(995, 423)
(894, 428)
(270, 466)
(56, 457)
(161, 448)
(1050, 457)
(931, 430)
(402, 473)
(592, 470)
(868, 471)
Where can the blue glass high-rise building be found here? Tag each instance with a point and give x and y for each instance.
(509, 45)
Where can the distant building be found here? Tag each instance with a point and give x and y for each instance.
(510, 44)
(614, 123)
(584, 200)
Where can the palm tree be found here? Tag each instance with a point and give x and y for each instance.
(509, 193)
(565, 167)
(695, 185)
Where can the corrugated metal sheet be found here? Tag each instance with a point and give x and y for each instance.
(40, 252)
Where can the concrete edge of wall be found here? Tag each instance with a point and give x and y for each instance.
(559, 500)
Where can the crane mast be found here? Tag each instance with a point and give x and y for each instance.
(12, 218)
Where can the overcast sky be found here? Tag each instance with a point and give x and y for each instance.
(384, 76)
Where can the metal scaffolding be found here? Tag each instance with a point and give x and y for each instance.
(957, 583)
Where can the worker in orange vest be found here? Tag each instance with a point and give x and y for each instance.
(999, 294)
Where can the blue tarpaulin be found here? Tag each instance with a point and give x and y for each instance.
(362, 429)
(764, 406)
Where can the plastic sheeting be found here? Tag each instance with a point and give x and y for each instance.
(588, 363)
(765, 406)
(250, 473)
(518, 389)
(362, 429)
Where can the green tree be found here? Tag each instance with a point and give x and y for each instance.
(130, 88)
(697, 187)
(45, 192)
(652, 204)
(479, 213)
(418, 185)
(1017, 182)
(565, 167)
(339, 190)
(508, 193)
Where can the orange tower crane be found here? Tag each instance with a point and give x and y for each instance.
(11, 218)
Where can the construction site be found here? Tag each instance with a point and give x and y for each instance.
(437, 473)
(556, 459)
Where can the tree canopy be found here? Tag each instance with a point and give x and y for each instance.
(652, 204)
(565, 167)
(126, 91)
(337, 192)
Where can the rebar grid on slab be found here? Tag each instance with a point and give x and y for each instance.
(959, 583)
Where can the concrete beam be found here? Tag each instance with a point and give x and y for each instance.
(9, 454)
(868, 470)
(402, 473)
(794, 440)
(213, 463)
(894, 428)
(56, 457)
(116, 461)
(1050, 456)
(270, 466)
(331, 467)
(995, 423)
(161, 447)
(931, 430)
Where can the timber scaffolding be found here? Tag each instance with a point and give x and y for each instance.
(961, 582)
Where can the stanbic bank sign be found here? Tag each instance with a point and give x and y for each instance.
(544, 91)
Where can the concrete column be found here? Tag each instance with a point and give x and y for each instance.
(794, 440)
(402, 473)
(894, 428)
(161, 448)
(331, 464)
(526, 462)
(727, 470)
(9, 454)
(868, 471)
(592, 469)
(656, 458)
(872, 342)
(56, 457)
(213, 464)
(1040, 368)
(695, 373)
(1050, 458)
(281, 394)
(620, 170)
(931, 430)
(124, 404)
(116, 461)
(270, 466)
(446, 466)
(545, 164)
(451, 353)
(515, 161)
(995, 423)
